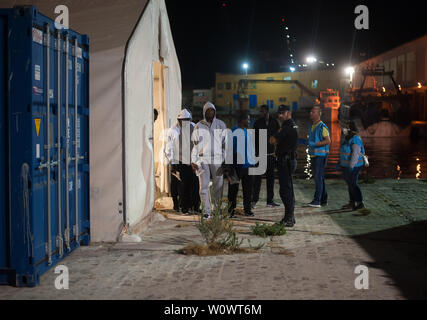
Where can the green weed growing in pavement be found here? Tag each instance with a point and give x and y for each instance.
(265, 230)
(219, 228)
(258, 247)
(232, 242)
(220, 237)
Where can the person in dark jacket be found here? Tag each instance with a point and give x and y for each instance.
(286, 141)
(272, 126)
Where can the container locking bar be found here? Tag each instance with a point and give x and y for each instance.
(67, 150)
(76, 144)
(59, 238)
(48, 164)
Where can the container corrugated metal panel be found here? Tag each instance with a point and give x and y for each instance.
(3, 148)
(44, 127)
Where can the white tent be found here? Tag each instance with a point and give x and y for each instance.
(133, 69)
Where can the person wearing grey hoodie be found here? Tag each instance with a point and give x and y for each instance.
(209, 152)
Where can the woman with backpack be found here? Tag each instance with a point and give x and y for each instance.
(352, 162)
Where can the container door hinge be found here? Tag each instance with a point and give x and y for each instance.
(48, 249)
(76, 234)
(67, 239)
(60, 245)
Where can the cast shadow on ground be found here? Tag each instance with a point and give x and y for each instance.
(402, 253)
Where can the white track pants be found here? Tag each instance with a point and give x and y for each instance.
(217, 186)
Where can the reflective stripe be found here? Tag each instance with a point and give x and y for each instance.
(320, 151)
(345, 162)
(349, 154)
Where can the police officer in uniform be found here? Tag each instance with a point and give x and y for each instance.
(286, 141)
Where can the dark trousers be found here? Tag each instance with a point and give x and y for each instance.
(319, 165)
(195, 192)
(271, 164)
(286, 168)
(175, 189)
(183, 192)
(351, 178)
(233, 189)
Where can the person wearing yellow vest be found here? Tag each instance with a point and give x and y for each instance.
(352, 163)
(318, 149)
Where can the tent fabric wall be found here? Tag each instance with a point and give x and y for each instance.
(155, 45)
(109, 25)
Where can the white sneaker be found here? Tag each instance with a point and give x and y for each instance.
(206, 217)
(314, 205)
(273, 205)
(253, 205)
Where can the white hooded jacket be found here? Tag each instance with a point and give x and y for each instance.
(174, 152)
(210, 140)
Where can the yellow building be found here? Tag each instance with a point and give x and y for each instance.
(273, 89)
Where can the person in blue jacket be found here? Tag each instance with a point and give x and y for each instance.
(318, 149)
(243, 159)
(352, 162)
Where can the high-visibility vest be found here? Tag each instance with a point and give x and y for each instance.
(317, 136)
(346, 151)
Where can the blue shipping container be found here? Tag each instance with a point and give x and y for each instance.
(44, 144)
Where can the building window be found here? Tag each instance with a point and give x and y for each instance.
(270, 78)
(228, 86)
(400, 76)
(287, 78)
(252, 85)
(314, 84)
(220, 86)
(410, 66)
(220, 96)
(283, 99)
(387, 80)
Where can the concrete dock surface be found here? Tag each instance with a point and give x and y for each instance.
(316, 259)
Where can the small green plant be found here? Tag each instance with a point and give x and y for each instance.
(256, 248)
(265, 230)
(232, 242)
(220, 237)
(219, 228)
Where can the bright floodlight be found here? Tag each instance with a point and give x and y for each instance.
(311, 59)
(292, 69)
(245, 66)
(349, 71)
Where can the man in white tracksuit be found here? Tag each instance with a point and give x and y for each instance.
(208, 154)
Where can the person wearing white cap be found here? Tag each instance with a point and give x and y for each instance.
(184, 183)
(210, 138)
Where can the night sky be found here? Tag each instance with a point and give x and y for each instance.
(219, 35)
